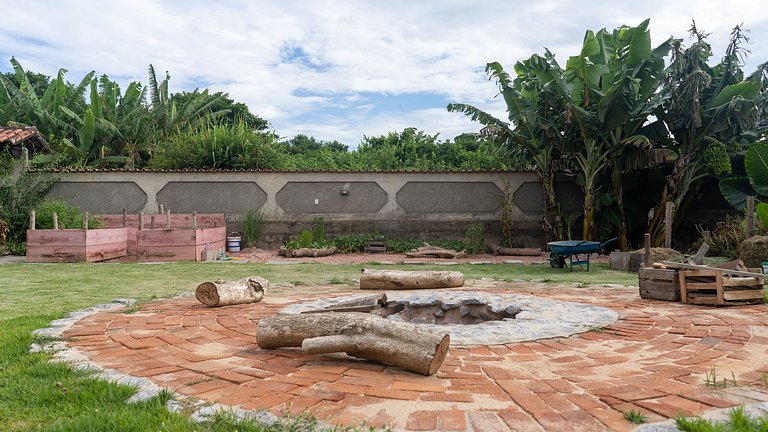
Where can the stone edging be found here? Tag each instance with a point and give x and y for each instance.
(146, 389)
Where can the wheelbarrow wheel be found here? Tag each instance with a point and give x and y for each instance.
(557, 261)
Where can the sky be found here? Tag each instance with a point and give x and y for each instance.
(341, 70)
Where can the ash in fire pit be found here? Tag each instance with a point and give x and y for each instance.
(477, 318)
(439, 311)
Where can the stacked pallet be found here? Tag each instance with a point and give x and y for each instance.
(659, 284)
(716, 287)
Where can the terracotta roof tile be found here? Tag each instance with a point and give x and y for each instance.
(195, 170)
(18, 135)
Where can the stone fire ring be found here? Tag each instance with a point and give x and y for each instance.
(534, 317)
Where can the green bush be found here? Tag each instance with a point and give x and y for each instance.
(475, 239)
(17, 198)
(70, 217)
(252, 223)
(318, 230)
(352, 243)
(402, 246)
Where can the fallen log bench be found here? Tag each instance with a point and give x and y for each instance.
(410, 279)
(225, 293)
(406, 345)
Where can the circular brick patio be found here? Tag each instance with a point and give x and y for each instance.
(653, 360)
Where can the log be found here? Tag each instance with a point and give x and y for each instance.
(405, 279)
(435, 252)
(224, 293)
(498, 250)
(306, 252)
(406, 345)
(699, 257)
(363, 304)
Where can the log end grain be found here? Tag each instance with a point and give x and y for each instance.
(207, 294)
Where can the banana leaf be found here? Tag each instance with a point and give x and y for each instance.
(756, 163)
(735, 190)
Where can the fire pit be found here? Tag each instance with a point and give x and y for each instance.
(477, 318)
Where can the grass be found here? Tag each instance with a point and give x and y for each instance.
(738, 421)
(635, 417)
(37, 395)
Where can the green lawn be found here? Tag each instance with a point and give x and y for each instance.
(37, 395)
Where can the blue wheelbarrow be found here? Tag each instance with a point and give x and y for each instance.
(577, 251)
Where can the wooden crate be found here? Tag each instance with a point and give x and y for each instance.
(715, 287)
(659, 284)
(76, 245)
(178, 244)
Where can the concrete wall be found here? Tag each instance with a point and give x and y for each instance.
(426, 205)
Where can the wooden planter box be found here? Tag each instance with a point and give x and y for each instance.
(659, 284)
(75, 245)
(179, 244)
(714, 287)
(181, 220)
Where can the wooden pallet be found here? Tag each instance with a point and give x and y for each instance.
(659, 284)
(375, 247)
(716, 287)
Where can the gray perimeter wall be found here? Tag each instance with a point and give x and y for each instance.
(403, 205)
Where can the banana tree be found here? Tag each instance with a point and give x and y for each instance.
(614, 82)
(536, 116)
(705, 106)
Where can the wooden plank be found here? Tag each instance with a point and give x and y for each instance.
(657, 274)
(181, 220)
(47, 237)
(659, 294)
(105, 251)
(106, 235)
(162, 237)
(210, 235)
(736, 282)
(167, 253)
(670, 264)
(56, 254)
(683, 286)
(744, 295)
(719, 290)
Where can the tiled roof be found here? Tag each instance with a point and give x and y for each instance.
(27, 135)
(213, 171)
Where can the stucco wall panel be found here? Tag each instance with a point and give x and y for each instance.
(101, 197)
(449, 197)
(211, 197)
(331, 197)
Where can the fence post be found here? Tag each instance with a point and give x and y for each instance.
(668, 225)
(750, 216)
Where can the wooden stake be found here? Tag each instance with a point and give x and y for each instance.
(160, 209)
(750, 216)
(647, 258)
(141, 220)
(55, 221)
(668, 225)
(125, 218)
(32, 219)
(194, 220)
(168, 220)
(85, 221)
(152, 222)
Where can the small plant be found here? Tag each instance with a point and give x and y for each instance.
(475, 239)
(597, 329)
(738, 420)
(318, 230)
(352, 243)
(68, 216)
(711, 380)
(252, 223)
(635, 417)
(764, 379)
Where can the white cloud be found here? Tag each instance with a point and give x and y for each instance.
(347, 49)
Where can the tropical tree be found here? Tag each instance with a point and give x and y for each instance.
(705, 108)
(536, 127)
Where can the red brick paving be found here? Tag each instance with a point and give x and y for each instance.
(653, 360)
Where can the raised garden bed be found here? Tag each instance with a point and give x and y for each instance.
(76, 245)
(180, 244)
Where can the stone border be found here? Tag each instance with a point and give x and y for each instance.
(717, 416)
(540, 318)
(62, 353)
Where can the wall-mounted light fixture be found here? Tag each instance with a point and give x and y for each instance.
(345, 189)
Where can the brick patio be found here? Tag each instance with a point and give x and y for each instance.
(653, 360)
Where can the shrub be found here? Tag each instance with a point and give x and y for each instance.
(17, 198)
(725, 239)
(4, 229)
(252, 223)
(318, 230)
(352, 243)
(754, 251)
(402, 246)
(475, 239)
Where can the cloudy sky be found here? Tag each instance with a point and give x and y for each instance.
(341, 69)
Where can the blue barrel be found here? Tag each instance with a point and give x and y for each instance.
(233, 242)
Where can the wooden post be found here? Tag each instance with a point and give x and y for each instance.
(194, 220)
(85, 221)
(125, 218)
(750, 216)
(141, 220)
(55, 221)
(668, 225)
(647, 258)
(32, 219)
(160, 209)
(152, 222)
(168, 219)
